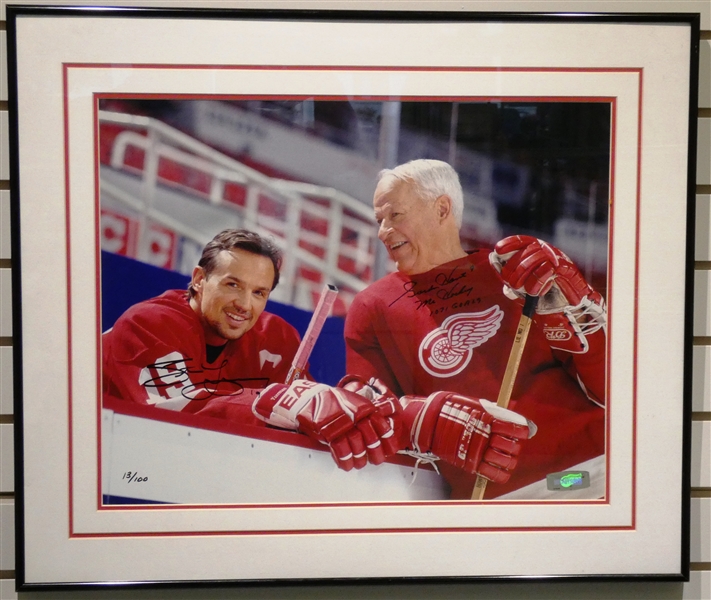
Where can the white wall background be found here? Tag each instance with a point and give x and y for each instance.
(699, 588)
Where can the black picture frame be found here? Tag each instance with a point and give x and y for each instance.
(67, 532)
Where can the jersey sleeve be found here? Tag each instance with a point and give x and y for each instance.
(364, 354)
(233, 408)
(588, 369)
(147, 364)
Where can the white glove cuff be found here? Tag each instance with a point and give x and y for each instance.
(292, 401)
(504, 414)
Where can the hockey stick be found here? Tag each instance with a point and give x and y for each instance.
(519, 343)
(325, 302)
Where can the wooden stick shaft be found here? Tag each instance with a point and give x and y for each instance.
(301, 358)
(507, 384)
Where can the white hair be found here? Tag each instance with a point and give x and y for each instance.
(431, 179)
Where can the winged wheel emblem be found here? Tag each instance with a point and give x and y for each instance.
(447, 350)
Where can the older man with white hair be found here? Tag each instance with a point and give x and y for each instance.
(446, 320)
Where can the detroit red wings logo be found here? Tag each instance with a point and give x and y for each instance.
(447, 350)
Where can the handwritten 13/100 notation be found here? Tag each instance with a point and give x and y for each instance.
(133, 477)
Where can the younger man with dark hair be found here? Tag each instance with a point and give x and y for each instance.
(181, 349)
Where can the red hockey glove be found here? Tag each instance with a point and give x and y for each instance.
(388, 406)
(349, 424)
(569, 310)
(474, 435)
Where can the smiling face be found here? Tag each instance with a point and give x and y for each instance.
(229, 300)
(417, 234)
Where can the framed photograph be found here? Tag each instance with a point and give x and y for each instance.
(300, 296)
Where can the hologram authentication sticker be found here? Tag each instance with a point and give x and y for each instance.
(568, 480)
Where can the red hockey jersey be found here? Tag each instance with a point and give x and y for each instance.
(156, 355)
(452, 329)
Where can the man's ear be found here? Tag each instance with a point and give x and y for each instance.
(198, 279)
(443, 204)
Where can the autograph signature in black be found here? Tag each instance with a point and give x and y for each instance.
(445, 287)
(177, 373)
